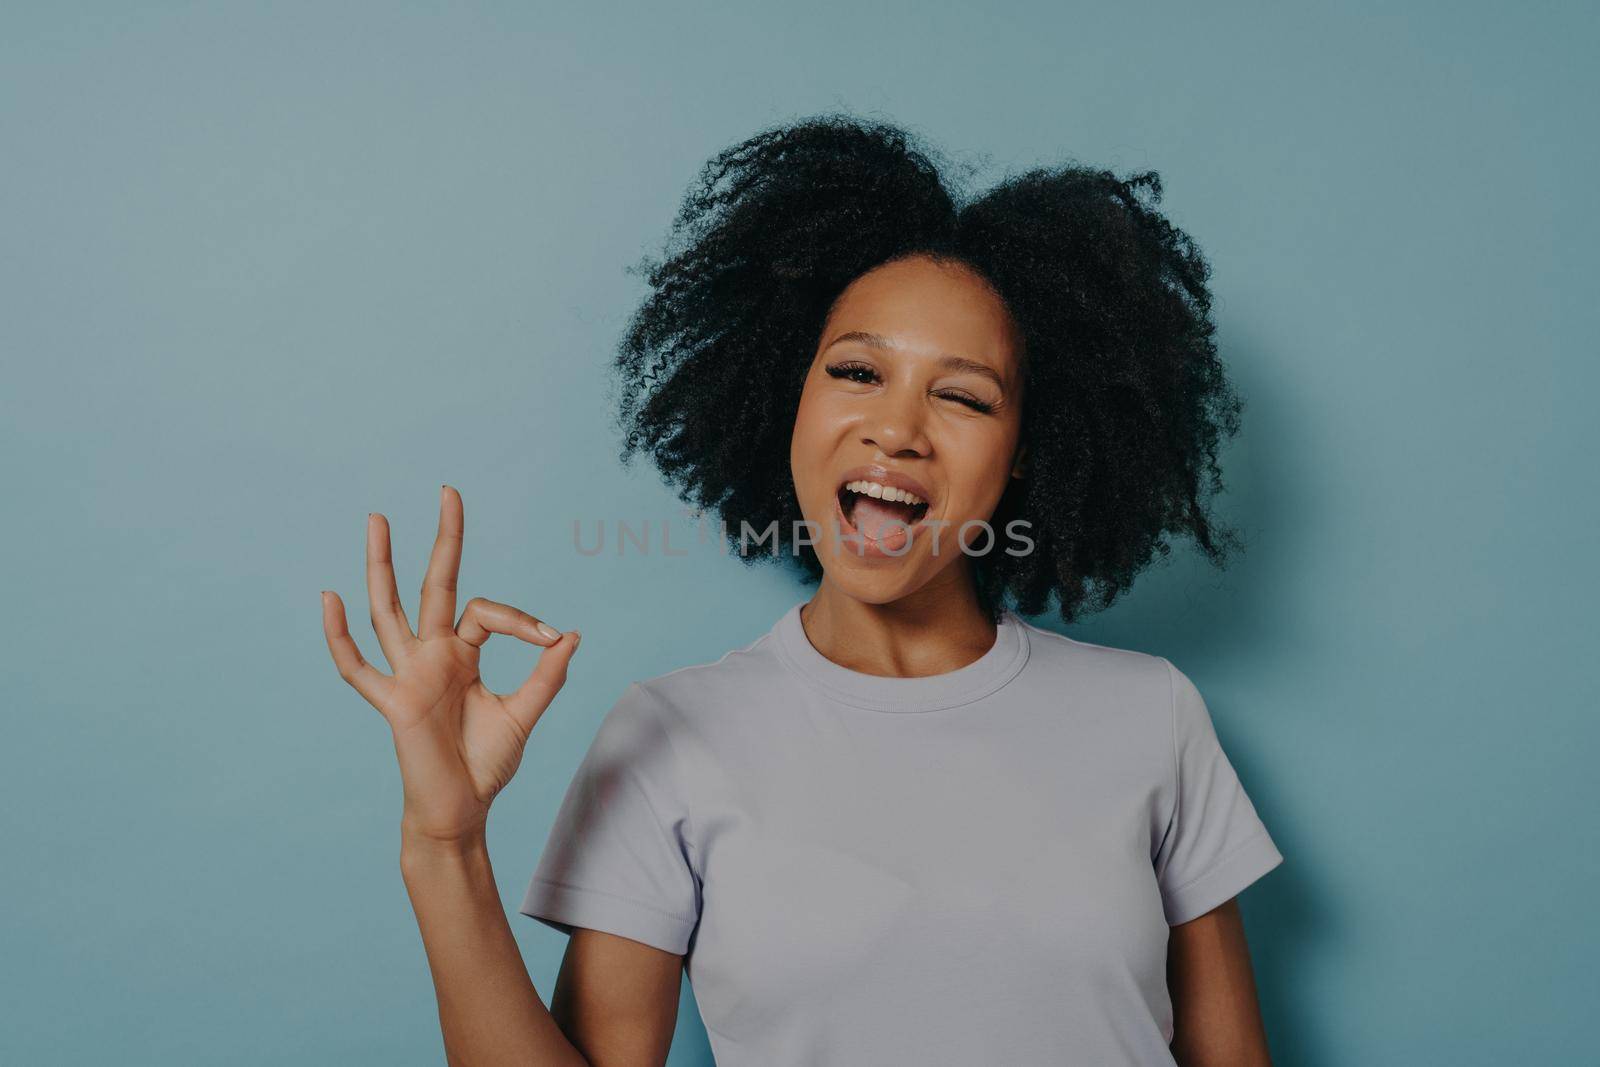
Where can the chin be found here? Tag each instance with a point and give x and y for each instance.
(873, 588)
(879, 579)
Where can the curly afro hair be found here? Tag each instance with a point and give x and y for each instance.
(1125, 401)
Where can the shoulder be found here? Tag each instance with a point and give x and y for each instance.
(1125, 693)
(731, 681)
(1141, 691)
(1126, 672)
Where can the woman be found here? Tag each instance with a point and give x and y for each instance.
(904, 826)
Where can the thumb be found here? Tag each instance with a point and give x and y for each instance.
(533, 696)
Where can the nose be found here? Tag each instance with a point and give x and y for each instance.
(894, 425)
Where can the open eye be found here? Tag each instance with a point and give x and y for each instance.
(855, 372)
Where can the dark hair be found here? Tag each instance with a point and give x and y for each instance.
(1125, 402)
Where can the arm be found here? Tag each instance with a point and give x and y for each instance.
(489, 1011)
(458, 744)
(617, 999)
(1216, 1020)
(615, 1002)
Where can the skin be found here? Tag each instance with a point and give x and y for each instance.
(902, 405)
(916, 613)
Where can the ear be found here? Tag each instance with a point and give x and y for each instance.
(1019, 468)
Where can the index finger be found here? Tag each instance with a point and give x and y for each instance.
(437, 615)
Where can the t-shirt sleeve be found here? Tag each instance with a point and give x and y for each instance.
(1215, 845)
(618, 857)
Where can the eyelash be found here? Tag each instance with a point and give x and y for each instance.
(845, 370)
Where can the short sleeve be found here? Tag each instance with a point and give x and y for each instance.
(1214, 845)
(618, 855)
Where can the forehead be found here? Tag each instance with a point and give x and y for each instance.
(928, 308)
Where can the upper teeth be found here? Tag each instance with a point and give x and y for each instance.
(883, 492)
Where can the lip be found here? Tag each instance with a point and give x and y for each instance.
(866, 547)
(884, 476)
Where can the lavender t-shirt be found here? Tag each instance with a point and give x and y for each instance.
(976, 867)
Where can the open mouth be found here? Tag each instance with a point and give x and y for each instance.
(880, 513)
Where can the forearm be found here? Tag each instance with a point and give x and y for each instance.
(489, 1011)
(1216, 1015)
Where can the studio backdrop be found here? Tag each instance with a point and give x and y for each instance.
(270, 267)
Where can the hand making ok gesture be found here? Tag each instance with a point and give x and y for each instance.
(458, 744)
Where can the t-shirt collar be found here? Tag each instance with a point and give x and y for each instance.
(934, 692)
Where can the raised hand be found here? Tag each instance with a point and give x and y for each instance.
(458, 743)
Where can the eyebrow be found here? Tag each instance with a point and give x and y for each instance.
(960, 364)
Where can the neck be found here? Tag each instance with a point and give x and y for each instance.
(938, 629)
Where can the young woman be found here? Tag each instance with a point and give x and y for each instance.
(904, 826)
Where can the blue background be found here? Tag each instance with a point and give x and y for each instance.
(269, 268)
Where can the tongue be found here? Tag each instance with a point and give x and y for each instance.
(882, 522)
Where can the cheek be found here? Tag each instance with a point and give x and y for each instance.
(980, 470)
(810, 444)
(805, 419)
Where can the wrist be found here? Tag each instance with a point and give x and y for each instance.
(421, 849)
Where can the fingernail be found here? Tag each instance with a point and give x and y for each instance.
(550, 632)
(577, 639)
